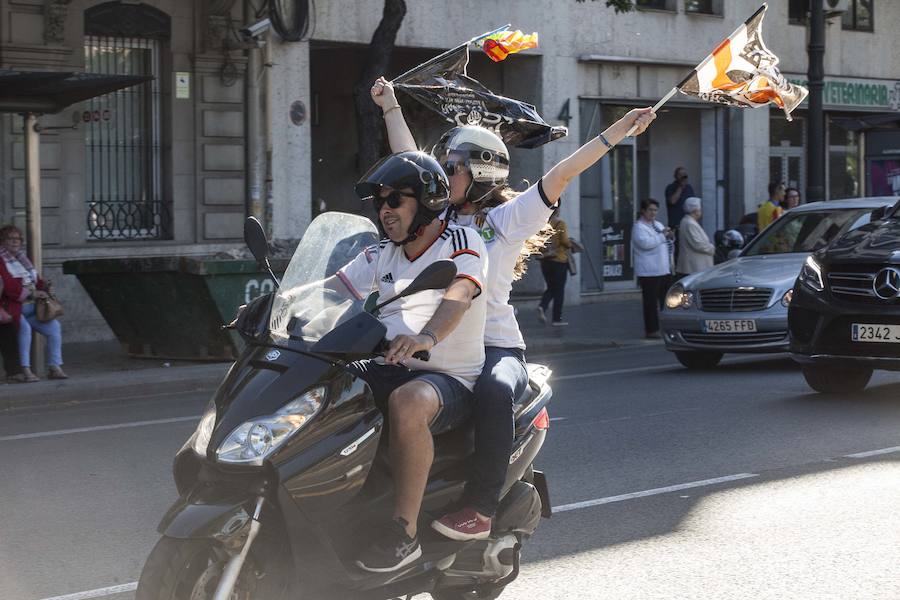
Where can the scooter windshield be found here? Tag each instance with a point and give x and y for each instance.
(311, 300)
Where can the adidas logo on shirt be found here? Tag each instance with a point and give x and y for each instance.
(387, 278)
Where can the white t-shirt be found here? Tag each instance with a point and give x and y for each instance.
(385, 268)
(504, 229)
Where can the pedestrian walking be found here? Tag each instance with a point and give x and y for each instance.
(555, 268)
(651, 243)
(697, 251)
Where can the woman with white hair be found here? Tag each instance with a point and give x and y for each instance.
(697, 251)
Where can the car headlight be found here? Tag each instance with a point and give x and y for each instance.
(811, 274)
(678, 297)
(204, 429)
(786, 299)
(252, 442)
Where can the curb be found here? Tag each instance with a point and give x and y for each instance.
(120, 385)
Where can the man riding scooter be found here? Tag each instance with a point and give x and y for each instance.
(409, 191)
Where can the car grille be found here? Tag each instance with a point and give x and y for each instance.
(735, 299)
(734, 339)
(854, 286)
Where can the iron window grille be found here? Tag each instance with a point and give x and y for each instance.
(123, 150)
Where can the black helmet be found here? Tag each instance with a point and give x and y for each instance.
(418, 171)
(733, 239)
(482, 152)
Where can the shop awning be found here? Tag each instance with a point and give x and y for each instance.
(861, 122)
(51, 92)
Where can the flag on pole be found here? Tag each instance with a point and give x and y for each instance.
(500, 44)
(743, 72)
(443, 85)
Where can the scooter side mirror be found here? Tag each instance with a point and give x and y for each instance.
(255, 238)
(436, 276)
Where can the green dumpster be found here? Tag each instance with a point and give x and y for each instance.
(173, 307)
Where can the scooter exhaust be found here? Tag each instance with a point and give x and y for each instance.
(233, 568)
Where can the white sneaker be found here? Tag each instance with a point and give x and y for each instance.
(541, 316)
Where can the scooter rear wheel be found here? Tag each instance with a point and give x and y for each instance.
(189, 570)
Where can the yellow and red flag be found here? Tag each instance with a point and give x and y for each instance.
(500, 44)
(743, 72)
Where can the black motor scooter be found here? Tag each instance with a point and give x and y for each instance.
(286, 477)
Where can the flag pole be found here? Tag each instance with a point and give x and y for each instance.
(655, 108)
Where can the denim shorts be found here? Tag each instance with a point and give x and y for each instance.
(455, 399)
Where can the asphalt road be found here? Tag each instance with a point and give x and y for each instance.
(735, 483)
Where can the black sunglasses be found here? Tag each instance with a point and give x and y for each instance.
(392, 199)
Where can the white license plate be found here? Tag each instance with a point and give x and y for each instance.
(729, 326)
(873, 332)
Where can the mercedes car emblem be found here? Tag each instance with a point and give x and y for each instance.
(886, 284)
(272, 355)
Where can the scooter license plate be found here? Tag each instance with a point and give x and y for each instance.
(874, 332)
(729, 326)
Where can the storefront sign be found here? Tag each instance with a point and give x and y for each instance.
(851, 93)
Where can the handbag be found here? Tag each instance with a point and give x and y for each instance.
(573, 270)
(47, 309)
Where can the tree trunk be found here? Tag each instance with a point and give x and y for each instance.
(370, 130)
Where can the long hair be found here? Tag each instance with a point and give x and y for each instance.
(497, 196)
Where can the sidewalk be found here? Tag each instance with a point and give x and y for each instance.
(102, 370)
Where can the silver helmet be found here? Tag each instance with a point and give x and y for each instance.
(480, 150)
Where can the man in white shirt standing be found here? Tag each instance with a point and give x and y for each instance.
(410, 191)
(652, 250)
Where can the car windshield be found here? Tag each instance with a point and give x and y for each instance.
(309, 304)
(806, 231)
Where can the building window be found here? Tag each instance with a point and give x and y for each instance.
(668, 5)
(125, 179)
(703, 7)
(798, 12)
(843, 163)
(858, 16)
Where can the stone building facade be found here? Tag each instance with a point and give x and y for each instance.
(174, 167)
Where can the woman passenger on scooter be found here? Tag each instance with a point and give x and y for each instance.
(513, 227)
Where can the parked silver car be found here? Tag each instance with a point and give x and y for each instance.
(741, 305)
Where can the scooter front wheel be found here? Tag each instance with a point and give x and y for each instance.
(190, 569)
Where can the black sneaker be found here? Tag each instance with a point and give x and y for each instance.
(393, 550)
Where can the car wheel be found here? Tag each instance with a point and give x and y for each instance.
(699, 360)
(829, 379)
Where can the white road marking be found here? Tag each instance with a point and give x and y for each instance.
(98, 593)
(43, 434)
(613, 372)
(653, 492)
(873, 452)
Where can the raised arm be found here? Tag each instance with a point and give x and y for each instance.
(556, 180)
(399, 136)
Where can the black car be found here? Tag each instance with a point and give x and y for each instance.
(844, 316)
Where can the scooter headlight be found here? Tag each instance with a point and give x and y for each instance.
(205, 429)
(252, 442)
